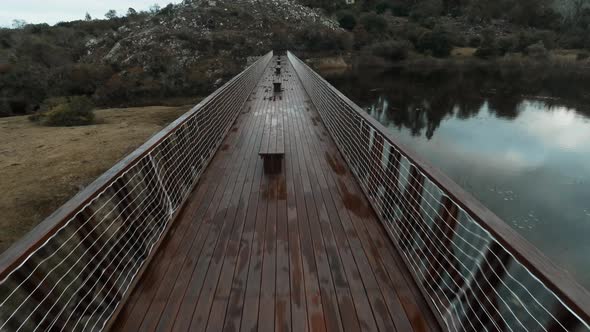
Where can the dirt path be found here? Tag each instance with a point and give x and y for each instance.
(42, 167)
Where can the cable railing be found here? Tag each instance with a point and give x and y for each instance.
(74, 270)
(476, 273)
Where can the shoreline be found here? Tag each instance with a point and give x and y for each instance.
(461, 57)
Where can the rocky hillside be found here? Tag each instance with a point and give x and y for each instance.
(196, 28)
(204, 37)
(181, 50)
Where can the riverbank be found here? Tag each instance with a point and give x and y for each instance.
(43, 167)
(560, 74)
(558, 58)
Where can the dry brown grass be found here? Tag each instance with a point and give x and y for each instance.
(42, 167)
(463, 52)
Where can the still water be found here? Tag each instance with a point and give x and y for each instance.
(521, 148)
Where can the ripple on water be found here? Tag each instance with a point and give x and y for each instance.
(528, 222)
(507, 195)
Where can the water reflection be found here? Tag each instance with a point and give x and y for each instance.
(526, 158)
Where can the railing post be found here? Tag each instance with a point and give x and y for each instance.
(164, 190)
(93, 279)
(440, 259)
(365, 146)
(376, 165)
(483, 297)
(391, 198)
(411, 210)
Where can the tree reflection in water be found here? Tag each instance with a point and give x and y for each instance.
(517, 140)
(419, 100)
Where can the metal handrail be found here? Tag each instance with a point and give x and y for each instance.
(74, 270)
(474, 270)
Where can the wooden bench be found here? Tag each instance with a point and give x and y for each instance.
(272, 148)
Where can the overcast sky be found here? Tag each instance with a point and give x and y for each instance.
(53, 11)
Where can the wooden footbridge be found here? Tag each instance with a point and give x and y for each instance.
(278, 204)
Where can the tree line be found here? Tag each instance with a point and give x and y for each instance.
(554, 23)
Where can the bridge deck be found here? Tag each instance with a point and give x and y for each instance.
(298, 250)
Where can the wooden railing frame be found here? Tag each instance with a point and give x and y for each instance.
(17, 253)
(567, 289)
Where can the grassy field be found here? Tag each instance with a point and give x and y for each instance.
(42, 167)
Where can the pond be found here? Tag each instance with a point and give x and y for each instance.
(518, 143)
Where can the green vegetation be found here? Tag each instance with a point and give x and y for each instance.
(495, 28)
(39, 61)
(374, 24)
(347, 20)
(435, 42)
(393, 50)
(150, 56)
(66, 112)
(5, 109)
(315, 38)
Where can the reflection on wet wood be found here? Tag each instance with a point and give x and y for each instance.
(296, 250)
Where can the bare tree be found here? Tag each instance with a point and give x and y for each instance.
(111, 14)
(572, 10)
(155, 8)
(18, 24)
(88, 17)
(578, 7)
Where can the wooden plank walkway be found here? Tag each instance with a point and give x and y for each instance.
(300, 250)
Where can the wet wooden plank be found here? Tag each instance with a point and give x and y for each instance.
(237, 213)
(197, 258)
(354, 285)
(266, 312)
(249, 314)
(171, 257)
(231, 260)
(315, 310)
(295, 250)
(296, 271)
(379, 251)
(283, 290)
(233, 313)
(339, 281)
(337, 169)
(266, 136)
(377, 248)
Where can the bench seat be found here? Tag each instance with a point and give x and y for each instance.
(272, 147)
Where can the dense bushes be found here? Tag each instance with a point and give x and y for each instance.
(488, 47)
(516, 25)
(66, 112)
(40, 61)
(537, 51)
(394, 50)
(373, 23)
(474, 41)
(5, 109)
(485, 52)
(507, 44)
(435, 42)
(347, 20)
(318, 38)
(427, 9)
(395, 7)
